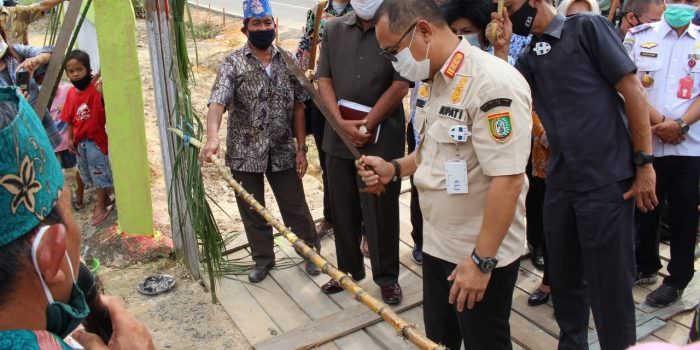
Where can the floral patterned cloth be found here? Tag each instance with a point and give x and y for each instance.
(260, 110)
(31, 340)
(304, 49)
(540, 148)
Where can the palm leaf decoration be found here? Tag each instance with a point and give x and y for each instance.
(186, 172)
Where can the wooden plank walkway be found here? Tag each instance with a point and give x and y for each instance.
(288, 310)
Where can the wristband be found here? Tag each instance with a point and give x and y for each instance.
(397, 171)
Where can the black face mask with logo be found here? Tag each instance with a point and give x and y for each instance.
(523, 18)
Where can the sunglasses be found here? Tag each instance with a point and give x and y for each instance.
(391, 51)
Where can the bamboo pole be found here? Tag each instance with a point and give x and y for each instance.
(405, 330)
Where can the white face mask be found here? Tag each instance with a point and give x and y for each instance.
(473, 39)
(3, 47)
(408, 67)
(365, 9)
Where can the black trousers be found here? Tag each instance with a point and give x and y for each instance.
(315, 122)
(590, 236)
(380, 215)
(289, 193)
(416, 214)
(486, 326)
(677, 182)
(534, 211)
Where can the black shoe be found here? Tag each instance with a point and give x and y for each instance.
(331, 287)
(664, 296)
(537, 258)
(538, 297)
(644, 279)
(392, 294)
(417, 255)
(310, 268)
(258, 274)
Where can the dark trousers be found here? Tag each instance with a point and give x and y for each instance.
(677, 182)
(416, 214)
(486, 326)
(380, 215)
(590, 236)
(316, 123)
(534, 211)
(289, 193)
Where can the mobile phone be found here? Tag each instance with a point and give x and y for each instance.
(23, 79)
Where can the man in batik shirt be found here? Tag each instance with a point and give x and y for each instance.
(265, 105)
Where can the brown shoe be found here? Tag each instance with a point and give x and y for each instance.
(324, 228)
(392, 294)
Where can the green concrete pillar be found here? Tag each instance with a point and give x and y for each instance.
(116, 35)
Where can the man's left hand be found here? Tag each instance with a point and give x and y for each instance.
(468, 285)
(302, 163)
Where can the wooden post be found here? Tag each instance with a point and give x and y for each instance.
(223, 14)
(161, 52)
(125, 115)
(55, 68)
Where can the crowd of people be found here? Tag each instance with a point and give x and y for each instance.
(43, 293)
(541, 127)
(563, 130)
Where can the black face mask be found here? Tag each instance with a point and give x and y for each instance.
(83, 83)
(262, 39)
(523, 18)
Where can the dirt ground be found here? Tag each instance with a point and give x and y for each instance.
(184, 318)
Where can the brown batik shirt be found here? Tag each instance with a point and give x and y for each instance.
(260, 111)
(16, 19)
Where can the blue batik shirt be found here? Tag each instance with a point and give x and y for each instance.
(31, 340)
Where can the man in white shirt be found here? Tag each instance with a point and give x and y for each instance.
(666, 54)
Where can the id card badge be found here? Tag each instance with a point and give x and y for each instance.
(456, 177)
(685, 88)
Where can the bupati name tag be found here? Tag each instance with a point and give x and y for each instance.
(451, 112)
(456, 180)
(649, 54)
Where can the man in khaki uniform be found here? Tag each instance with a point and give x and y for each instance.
(16, 19)
(474, 118)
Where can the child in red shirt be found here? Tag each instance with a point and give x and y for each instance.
(84, 113)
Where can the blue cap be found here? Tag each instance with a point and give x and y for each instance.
(31, 179)
(256, 8)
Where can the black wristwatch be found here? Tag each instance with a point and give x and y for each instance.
(642, 158)
(684, 126)
(486, 265)
(397, 170)
(304, 148)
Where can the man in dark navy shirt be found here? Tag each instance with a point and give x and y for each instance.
(600, 157)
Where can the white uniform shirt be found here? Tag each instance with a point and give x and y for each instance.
(658, 51)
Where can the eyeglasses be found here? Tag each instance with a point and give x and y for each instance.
(391, 51)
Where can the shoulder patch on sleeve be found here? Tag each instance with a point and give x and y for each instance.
(640, 28)
(500, 127)
(497, 102)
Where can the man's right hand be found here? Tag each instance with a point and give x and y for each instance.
(210, 149)
(352, 129)
(374, 170)
(127, 333)
(71, 147)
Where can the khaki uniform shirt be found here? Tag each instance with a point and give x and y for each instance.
(16, 19)
(492, 100)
